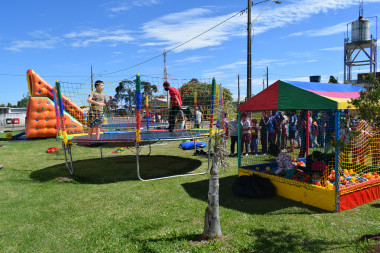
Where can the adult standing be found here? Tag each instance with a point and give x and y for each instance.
(301, 128)
(284, 130)
(264, 131)
(199, 118)
(292, 131)
(175, 101)
(233, 130)
(245, 134)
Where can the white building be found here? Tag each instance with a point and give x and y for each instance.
(9, 117)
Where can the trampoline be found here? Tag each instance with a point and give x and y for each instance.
(126, 125)
(139, 131)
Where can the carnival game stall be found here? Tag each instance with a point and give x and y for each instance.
(308, 140)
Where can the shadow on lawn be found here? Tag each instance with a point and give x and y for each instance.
(104, 171)
(275, 206)
(287, 240)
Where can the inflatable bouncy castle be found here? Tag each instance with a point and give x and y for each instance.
(41, 120)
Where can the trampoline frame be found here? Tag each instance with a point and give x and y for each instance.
(67, 144)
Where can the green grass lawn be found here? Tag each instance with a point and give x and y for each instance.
(104, 208)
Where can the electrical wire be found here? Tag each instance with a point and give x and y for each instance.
(170, 50)
(180, 45)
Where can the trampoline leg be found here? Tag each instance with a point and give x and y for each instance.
(180, 175)
(67, 151)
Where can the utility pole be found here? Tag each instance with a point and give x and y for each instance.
(166, 79)
(92, 80)
(263, 84)
(238, 103)
(267, 77)
(249, 52)
(165, 70)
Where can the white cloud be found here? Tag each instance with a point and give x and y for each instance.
(24, 44)
(116, 7)
(233, 65)
(335, 29)
(193, 59)
(86, 37)
(332, 49)
(42, 40)
(114, 61)
(176, 28)
(311, 61)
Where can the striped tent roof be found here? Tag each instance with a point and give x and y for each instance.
(302, 95)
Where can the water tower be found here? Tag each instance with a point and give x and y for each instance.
(361, 49)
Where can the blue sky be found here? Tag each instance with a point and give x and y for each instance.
(62, 39)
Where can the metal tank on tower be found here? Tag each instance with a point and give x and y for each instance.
(361, 49)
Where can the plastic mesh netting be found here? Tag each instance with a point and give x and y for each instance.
(139, 106)
(327, 148)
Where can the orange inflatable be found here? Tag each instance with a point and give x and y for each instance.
(38, 87)
(41, 118)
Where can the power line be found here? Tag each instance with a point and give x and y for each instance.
(180, 45)
(138, 64)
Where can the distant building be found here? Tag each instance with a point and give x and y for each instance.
(360, 81)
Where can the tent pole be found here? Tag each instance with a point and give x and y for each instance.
(337, 159)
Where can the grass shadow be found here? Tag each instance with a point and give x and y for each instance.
(275, 206)
(286, 240)
(104, 171)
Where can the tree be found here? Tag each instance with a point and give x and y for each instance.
(212, 228)
(24, 101)
(367, 103)
(203, 91)
(126, 91)
(9, 105)
(333, 80)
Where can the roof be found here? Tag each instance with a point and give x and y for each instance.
(302, 95)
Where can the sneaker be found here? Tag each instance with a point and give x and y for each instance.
(246, 154)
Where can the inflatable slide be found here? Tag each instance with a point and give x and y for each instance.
(41, 120)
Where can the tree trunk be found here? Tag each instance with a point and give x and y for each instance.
(212, 229)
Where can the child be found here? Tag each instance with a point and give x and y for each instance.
(284, 162)
(318, 167)
(314, 134)
(284, 130)
(97, 101)
(254, 136)
(292, 131)
(245, 134)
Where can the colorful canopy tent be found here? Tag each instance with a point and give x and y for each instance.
(292, 95)
(283, 95)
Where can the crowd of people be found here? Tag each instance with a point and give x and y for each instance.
(281, 130)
